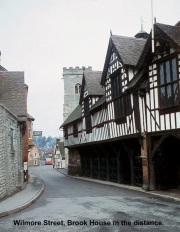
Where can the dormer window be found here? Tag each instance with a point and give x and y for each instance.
(77, 88)
(168, 84)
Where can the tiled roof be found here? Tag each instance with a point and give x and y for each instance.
(12, 92)
(129, 48)
(75, 115)
(173, 32)
(178, 23)
(92, 79)
(30, 117)
(2, 68)
(100, 102)
(170, 32)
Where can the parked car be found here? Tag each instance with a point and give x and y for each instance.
(48, 161)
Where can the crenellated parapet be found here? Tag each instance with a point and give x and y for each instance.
(75, 70)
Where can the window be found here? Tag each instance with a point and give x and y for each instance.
(75, 130)
(87, 116)
(77, 88)
(65, 132)
(122, 106)
(116, 85)
(122, 102)
(168, 84)
(88, 124)
(86, 106)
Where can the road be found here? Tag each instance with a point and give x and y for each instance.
(69, 204)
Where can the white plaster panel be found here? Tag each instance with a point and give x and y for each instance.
(167, 122)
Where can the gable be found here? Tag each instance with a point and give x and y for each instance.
(83, 90)
(167, 41)
(112, 62)
(122, 51)
(91, 84)
(171, 33)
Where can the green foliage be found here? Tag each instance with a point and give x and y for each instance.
(44, 142)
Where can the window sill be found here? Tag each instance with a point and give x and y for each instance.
(100, 125)
(172, 109)
(120, 120)
(88, 131)
(12, 151)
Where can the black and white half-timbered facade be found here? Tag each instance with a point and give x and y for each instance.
(126, 128)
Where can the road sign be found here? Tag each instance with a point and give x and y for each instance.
(37, 133)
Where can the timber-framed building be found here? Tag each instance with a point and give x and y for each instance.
(126, 128)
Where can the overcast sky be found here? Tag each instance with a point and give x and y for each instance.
(40, 37)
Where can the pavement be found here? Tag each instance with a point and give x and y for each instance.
(22, 199)
(34, 188)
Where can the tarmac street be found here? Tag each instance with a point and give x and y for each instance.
(72, 204)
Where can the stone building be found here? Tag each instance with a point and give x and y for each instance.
(13, 132)
(10, 153)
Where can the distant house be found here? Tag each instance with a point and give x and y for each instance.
(30, 129)
(33, 156)
(13, 132)
(33, 150)
(59, 154)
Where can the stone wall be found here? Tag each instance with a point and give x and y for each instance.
(10, 153)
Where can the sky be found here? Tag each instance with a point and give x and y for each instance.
(40, 37)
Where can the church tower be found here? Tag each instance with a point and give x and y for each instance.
(72, 87)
